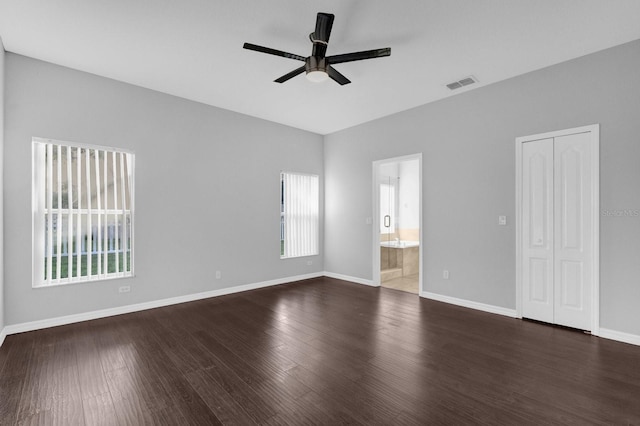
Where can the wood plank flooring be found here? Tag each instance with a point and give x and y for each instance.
(319, 351)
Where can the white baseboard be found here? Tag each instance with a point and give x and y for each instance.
(349, 278)
(86, 316)
(469, 304)
(632, 339)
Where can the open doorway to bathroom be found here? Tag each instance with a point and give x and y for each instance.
(397, 230)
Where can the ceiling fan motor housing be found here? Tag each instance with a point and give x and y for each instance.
(316, 63)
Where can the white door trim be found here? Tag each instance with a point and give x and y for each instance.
(594, 131)
(375, 231)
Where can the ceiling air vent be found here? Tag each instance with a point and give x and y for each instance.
(461, 83)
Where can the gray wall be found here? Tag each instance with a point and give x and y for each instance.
(468, 146)
(218, 171)
(2, 55)
(207, 187)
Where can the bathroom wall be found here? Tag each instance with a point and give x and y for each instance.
(409, 200)
(389, 173)
(402, 261)
(405, 175)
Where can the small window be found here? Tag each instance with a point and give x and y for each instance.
(299, 215)
(83, 213)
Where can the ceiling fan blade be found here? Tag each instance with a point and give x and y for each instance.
(358, 56)
(337, 77)
(290, 75)
(270, 51)
(320, 37)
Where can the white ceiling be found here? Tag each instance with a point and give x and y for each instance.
(193, 48)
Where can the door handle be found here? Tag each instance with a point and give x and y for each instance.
(387, 221)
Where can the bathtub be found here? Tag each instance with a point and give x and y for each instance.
(399, 244)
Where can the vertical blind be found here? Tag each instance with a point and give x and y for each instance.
(82, 213)
(300, 214)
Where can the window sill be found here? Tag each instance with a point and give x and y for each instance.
(64, 282)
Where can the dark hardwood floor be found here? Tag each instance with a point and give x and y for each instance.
(320, 351)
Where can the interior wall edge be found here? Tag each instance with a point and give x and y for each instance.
(619, 336)
(499, 310)
(2, 114)
(349, 278)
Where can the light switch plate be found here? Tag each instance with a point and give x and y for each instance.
(502, 220)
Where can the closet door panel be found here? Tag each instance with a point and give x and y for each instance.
(537, 235)
(572, 224)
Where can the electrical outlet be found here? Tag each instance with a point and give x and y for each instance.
(309, 262)
(218, 275)
(445, 274)
(368, 221)
(124, 289)
(502, 220)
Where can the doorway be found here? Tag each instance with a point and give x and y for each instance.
(557, 227)
(397, 224)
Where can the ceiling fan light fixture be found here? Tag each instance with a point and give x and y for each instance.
(317, 76)
(316, 68)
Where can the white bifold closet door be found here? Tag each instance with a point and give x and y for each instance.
(557, 244)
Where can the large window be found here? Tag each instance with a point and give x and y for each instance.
(82, 212)
(299, 215)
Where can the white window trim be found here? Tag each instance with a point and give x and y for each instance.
(39, 211)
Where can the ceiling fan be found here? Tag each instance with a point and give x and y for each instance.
(318, 66)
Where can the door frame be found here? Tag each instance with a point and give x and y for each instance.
(594, 131)
(375, 232)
